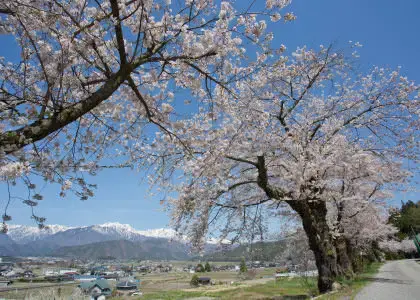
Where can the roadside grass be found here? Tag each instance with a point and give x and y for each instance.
(294, 288)
(350, 287)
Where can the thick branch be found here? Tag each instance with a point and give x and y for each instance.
(13, 140)
(242, 160)
(243, 205)
(271, 191)
(6, 11)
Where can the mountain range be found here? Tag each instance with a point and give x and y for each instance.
(152, 249)
(109, 239)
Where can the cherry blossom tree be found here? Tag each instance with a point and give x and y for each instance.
(303, 133)
(359, 226)
(95, 75)
(405, 246)
(297, 133)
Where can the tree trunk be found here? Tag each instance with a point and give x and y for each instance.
(344, 262)
(343, 246)
(314, 220)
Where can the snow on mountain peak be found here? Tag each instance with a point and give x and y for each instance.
(159, 233)
(122, 230)
(23, 234)
(128, 231)
(115, 226)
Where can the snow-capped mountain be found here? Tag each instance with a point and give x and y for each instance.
(7, 245)
(125, 231)
(68, 236)
(22, 234)
(216, 241)
(117, 230)
(165, 233)
(31, 241)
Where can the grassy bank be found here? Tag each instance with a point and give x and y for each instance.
(350, 288)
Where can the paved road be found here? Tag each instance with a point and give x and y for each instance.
(396, 280)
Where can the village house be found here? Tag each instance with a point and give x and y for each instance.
(204, 280)
(96, 288)
(143, 269)
(28, 274)
(127, 286)
(67, 271)
(85, 278)
(4, 269)
(109, 276)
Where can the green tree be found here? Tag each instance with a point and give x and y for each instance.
(405, 218)
(82, 270)
(242, 267)
(207, 267)
(194, 280)
(199, 268)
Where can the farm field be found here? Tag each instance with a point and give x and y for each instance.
(176, 285)
(293, 288)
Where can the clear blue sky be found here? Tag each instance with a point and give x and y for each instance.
(389, 31)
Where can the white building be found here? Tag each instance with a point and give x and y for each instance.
(64, 271)
(50, 272)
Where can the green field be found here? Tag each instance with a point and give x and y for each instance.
(227, 285)
(294, 288)
(176, 285)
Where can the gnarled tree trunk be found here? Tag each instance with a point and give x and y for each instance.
(314, 220)
(344, 262)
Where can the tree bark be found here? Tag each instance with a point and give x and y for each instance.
(344, 262)
(314, 220)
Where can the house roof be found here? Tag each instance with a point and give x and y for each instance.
(101, 283)
(204, 278)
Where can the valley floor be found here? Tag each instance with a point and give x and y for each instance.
(176, 285)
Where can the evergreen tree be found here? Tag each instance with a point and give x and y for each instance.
(199, 268)
(406, 218)
(207, 267)
(243, 268)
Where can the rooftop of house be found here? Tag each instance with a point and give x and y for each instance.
(204, 279)
(101, 283)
